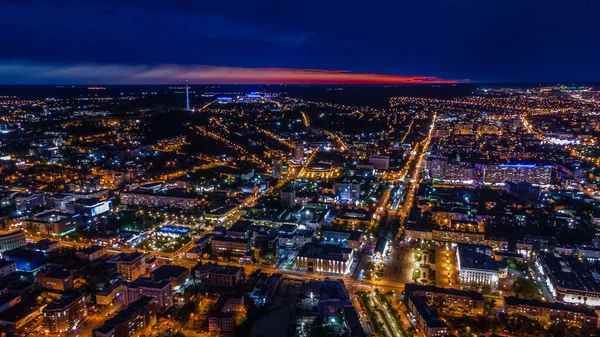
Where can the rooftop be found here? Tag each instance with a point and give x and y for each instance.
(476, 257)
(420, 303)
(568, 272)
(147, 282)
(170, 271)
(325, 252)
(64, 302)
(511, 300)
(125, 314)
(411, 288)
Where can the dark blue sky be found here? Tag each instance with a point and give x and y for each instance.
(493, 40)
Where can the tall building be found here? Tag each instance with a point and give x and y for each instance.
(131, 266)
(299, 154)
(160, 290)
(65, 314)
(276, 168)
(187, 96)
(288, 198)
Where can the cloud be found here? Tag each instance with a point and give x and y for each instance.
(88, 73)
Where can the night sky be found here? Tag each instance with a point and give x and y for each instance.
(324, 41)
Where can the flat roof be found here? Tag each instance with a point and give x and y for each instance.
(475, 257)
(325, 252)
(568, 272)
(411, 287)
(57, 273)
(125, 314)
(168, 271)
(130, 257)
(420, 303)
(511, 300)
(92, 249)
(147, 282)
(65, 301)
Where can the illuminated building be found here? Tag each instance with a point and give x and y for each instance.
(91, 253)
(498, 174)
(89, 207)
(287, 198)
(427, 322)
(325, 259)
(455, 302)
(25, 202)
(552, 312)
(381, 248)
(220, 318)
(276, 168)
(55, 279)
(222, 214)
(12, 240)
(165, 198)
(187, 96)
(53, 223)
(65, 314)
(347, 190)
(130, 321)
(131, 266)
(7, 267)
(218, 275)
(380, 162)
(228, 246)
(568, 279)
(299, 154)
(344, 238)
(116, 291)
(160, 290)
(477, 267)
(441, 170)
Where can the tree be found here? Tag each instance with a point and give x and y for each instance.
(489, 306)
(526, 288)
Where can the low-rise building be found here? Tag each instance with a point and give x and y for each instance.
(55, 279)
(454, 302)
(226, 246)
(325, 259)
(117, 291)
(552, 312)
(224, 276)
(477, 267)
(91, 253)
(222, 214)
(177, 275)
(53, 223)
(344, 238)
